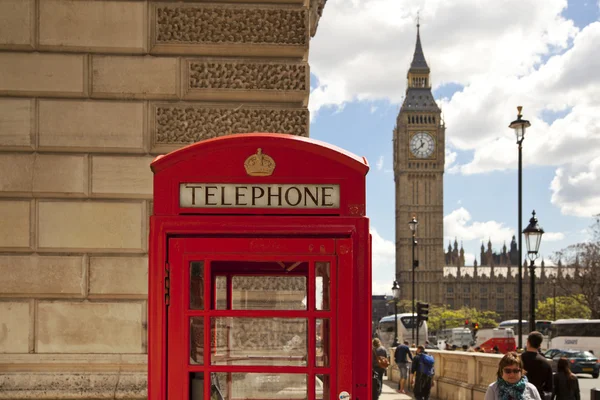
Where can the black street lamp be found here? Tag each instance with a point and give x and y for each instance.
(396, 292)
(520, 125)
(533, 237)
(553, 281)
(415, 263)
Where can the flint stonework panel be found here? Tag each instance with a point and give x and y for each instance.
(115, 26)
(41, 275)
(134, 77)
(246, 80)
(69, 327)
(16, 23)
(42, 74)
(91, 226)
(119, 276)
(177, 125)
(14, 324)
(16, 122)
(122, 176)
(14, 223)
(100, 126)
(258, 30)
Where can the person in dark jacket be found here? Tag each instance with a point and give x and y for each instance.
(539, 371)
(566, 386)
(401, 355)
(420, 382)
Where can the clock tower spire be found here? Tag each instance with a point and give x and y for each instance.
(419, 142)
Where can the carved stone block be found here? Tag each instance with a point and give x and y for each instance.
(246, 80)
(231, 29)
(179, 125)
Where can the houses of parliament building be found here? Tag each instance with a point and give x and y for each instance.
(442, 276)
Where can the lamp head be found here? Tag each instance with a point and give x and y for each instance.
(519, 125)
(413, 224)
(533, 237)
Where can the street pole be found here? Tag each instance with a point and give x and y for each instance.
(414, 319)
(532, 296)
(395, 344)
(554, 301)
(520, 268)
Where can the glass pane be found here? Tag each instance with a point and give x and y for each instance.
(322, 343)
(196, 340)
(322, 387)
(197, 285)
(268, 386)
(259, 341)
(322, 285)
(221, 292)
(269, 292)
(218, 386)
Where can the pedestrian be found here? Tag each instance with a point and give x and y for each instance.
(465, 347)
(511, 383)
(422, 374)
(566, 386)
(401, 355)
(496, 350)
(538, 369)
(379, 352)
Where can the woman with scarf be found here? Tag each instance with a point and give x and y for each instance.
(511, 383)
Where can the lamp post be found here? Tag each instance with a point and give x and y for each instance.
(553, 281)
(396, 292)
(413, 227)
(533, 237)
(520, 125)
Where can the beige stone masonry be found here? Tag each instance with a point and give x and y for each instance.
(14, 327)
(97, 126)
(135, 77)
(114, 176)
(40, 74)
(119, 277)
(92, 226)
(41, 276)
(98, 26)
(17, 24)
(83, 327)
(27, 174)
(16, 123)
(14, 224)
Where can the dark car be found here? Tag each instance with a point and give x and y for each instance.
(550, 353)
(580, 362)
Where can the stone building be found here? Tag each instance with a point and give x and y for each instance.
(442, 277)
(90, 92)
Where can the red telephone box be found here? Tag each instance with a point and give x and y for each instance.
(260, 275)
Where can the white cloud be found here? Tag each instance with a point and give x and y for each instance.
(384, 263)
(503, 54)
(380, 163)
(553, 236)
(458, 225)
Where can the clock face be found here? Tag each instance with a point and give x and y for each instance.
(422, 145)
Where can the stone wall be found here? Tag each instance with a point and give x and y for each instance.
(459, 375)
(90, 92)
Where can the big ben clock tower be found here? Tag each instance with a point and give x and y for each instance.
(418, 174)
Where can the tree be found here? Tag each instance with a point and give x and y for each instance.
(583, 278)
(566, 307)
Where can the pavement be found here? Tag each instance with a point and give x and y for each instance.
(389, 391)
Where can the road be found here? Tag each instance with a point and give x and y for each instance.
(586, 382)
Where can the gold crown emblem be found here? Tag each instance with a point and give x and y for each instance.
(259, 164)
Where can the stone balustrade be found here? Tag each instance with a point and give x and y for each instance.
(459, 375)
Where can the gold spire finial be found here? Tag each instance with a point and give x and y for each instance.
(519, 109)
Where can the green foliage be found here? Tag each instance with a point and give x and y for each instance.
(566, 307)
(441, 317)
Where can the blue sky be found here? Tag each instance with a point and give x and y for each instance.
(485, 58)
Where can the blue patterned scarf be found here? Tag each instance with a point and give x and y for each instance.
(513, 391)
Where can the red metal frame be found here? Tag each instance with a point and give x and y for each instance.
(340, 236)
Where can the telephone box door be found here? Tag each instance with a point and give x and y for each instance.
(259, 318)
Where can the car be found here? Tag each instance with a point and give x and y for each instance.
(550, 353)
(580, 362)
